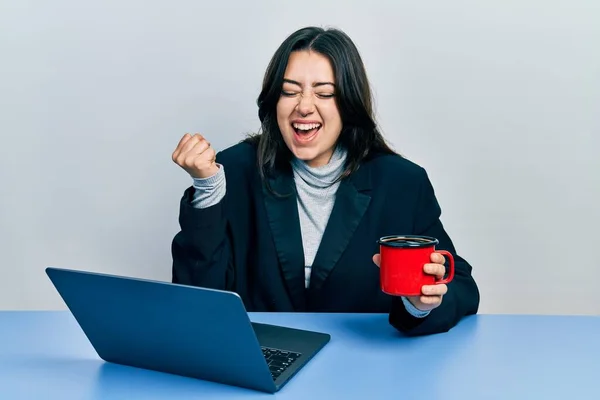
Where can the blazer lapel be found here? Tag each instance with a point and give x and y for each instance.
(284, 221)
(350, 205)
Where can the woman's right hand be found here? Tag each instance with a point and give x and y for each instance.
(195, 155)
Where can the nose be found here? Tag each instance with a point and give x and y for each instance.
(306, 104)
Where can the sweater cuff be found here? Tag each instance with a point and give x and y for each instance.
(209, 191)
(412, 310)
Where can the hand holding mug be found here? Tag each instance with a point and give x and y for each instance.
(195, 155)
(411, 267)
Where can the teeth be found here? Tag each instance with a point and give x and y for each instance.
(306, 127)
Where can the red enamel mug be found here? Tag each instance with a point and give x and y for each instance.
(402, 261)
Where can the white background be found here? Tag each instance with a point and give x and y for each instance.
(498, 100)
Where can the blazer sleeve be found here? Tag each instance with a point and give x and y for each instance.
(462, 298)
(201, 250)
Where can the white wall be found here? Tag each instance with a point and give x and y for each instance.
(499, 100)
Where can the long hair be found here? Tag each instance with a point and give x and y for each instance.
(359, 136)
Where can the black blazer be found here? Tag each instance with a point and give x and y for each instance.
(250, 242)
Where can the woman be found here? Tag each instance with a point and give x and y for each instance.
(289, 218)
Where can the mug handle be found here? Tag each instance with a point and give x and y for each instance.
(450, 276)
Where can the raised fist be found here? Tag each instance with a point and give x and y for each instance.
(195, 156)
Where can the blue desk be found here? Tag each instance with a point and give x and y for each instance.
(45, 355)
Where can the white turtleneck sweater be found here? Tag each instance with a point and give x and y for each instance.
(316, 189)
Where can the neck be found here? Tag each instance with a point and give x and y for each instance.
(321, 160)
(323, 175)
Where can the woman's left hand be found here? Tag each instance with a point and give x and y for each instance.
(432, 295)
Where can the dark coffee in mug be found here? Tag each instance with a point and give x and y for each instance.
(402, 260)
(408, 241)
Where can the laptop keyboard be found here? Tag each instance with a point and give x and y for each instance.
(279, 360)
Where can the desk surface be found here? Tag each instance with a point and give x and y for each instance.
(46, 355)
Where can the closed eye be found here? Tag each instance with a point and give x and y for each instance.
(288, 93)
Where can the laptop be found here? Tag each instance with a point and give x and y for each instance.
(183, 330)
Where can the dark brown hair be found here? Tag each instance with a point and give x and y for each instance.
(360, 136)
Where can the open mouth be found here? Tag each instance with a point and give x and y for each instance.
(306, 132)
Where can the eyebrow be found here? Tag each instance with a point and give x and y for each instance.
(314, 84)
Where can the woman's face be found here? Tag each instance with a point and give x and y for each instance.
(307, 112)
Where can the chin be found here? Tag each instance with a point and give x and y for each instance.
(305, 154)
